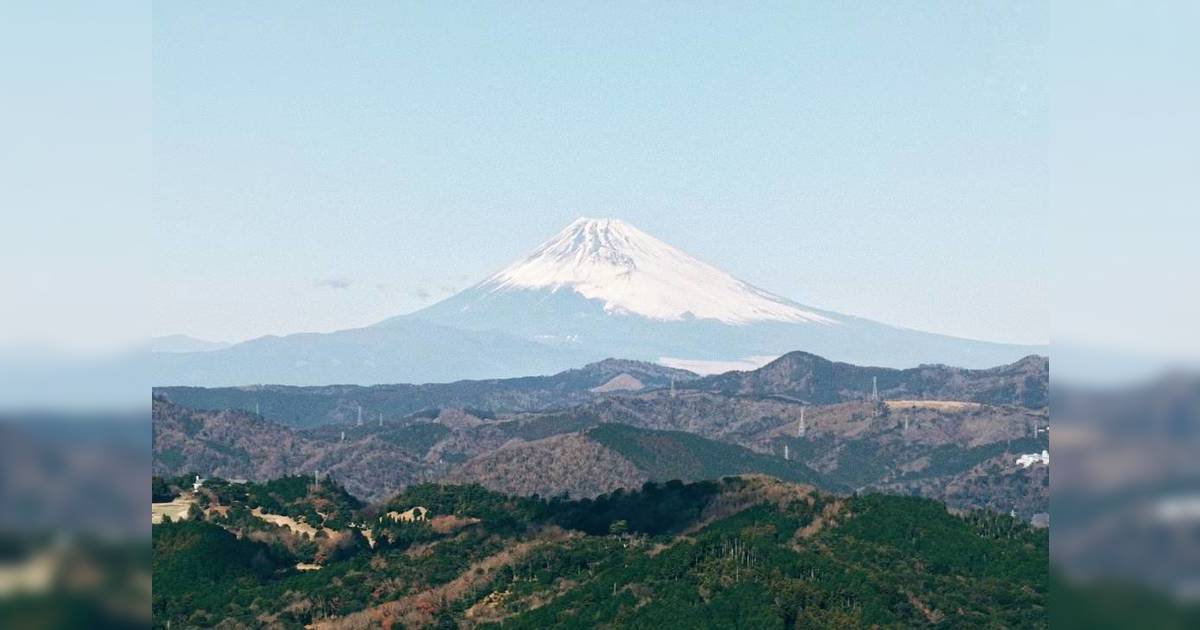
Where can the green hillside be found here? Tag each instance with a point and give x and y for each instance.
(667, 455)
(895, 562)
(741, 552)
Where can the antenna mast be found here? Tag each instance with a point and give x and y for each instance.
(874, 388)
(360, 415)
(803, 428)
(785, 453)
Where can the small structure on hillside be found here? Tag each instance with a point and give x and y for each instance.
(1029, 459)
(198, 483)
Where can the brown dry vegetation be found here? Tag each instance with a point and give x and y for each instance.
(419, 609)
(827, 518)
(939, 405)
(449, 523)
(565, 463)
(759, 489)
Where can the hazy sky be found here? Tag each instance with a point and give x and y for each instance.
(320, 166)
(75, 229)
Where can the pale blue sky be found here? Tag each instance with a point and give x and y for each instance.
(1125, 107)
(319, 166)
(75, 105)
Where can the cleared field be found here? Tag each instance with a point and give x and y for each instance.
(286, 521)
(175, 510)
(938, 405)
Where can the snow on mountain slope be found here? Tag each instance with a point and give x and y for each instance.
(632, 272)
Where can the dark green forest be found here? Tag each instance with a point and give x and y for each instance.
(680, 455)
(739, 552)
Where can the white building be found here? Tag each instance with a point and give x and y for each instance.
(1029, 459)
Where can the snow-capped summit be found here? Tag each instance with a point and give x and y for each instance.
(632, 272)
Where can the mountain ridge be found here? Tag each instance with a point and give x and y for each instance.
(814, 378)
(307, 406)
(1023, 383)
(938, 431)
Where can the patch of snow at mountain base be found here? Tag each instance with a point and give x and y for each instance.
(704, 367)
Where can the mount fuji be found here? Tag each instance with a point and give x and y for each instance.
(599, 288)
(633, 273)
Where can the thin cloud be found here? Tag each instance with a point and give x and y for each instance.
(432, 292)
(333, 283)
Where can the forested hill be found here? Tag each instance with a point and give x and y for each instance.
(312, 406)
(610, 456)
(817, 380)
(742, 552)
(796, 376)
